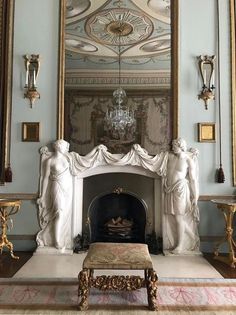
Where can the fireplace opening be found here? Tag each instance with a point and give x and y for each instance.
(117, 217)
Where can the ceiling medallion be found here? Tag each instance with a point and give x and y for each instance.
(103, 27)
(115, 28)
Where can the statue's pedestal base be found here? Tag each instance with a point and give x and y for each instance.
(168, 252)
(47, 250)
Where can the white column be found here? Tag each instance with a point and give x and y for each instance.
(157, 207)
(77, 207)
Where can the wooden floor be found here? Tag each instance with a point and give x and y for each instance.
(9, 266)
(225, 270)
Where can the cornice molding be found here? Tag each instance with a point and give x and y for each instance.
(135, 80)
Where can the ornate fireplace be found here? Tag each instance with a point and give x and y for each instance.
(129, 219)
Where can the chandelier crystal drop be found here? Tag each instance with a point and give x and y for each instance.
(120, 118)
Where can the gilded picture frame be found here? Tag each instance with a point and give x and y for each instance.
(206, 132)
(6, 52)
(30, 131)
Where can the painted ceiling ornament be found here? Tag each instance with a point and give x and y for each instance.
(79, 45)
(161, 7)
(159, 44)
(76, 7)
(104, 27)
(93, 35)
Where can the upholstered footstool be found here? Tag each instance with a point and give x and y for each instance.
(125, 256)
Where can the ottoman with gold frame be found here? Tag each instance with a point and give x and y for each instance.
(117, 256)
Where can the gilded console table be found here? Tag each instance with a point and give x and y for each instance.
(7, 208)
(228, 208)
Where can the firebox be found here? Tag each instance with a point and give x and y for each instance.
(117, 217)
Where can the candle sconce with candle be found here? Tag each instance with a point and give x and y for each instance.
(207, 68)
(32, 65)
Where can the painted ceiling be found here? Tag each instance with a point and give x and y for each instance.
(93, 45)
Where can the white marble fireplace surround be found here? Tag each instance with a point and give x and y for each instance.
(100, 161)
(104, 169)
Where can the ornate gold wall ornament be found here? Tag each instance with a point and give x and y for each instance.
(206, 67)
(32, 66)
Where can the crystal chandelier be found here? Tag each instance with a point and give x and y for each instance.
(120, 119)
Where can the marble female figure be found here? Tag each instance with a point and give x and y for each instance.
(55, 199)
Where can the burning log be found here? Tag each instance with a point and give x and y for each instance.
(119, 226)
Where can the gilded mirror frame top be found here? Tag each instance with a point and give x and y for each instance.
(174, 67)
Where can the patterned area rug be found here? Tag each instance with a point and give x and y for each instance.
(175, 296)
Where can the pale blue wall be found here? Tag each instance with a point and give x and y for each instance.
(36, 31)
(198, 36)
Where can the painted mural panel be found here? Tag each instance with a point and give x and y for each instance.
(85, 127)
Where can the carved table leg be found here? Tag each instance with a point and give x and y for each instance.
(151, 282)
(83, 290)
(228, 212)
(9, 245)
(7, 208)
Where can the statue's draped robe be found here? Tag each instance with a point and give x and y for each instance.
(58, 200)
(177, 200)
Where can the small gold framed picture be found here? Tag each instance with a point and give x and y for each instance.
(207, 132)
(30, 131)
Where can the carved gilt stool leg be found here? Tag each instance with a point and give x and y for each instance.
(83, 290)
(91, 273)
(151, 282)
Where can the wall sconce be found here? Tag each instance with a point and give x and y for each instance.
(207, 67)
(32, 65)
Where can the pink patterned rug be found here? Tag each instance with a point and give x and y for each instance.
(173, 294)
